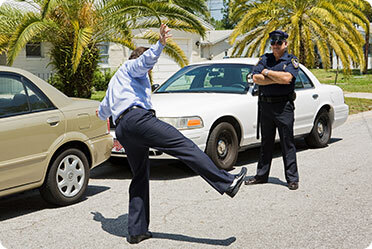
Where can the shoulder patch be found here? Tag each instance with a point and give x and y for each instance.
(295, 62)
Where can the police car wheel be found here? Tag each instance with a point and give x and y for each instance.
(320, 135)
(222, 146)
(67, 178)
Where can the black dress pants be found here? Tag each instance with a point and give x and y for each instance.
(277, 116)
(138, 130)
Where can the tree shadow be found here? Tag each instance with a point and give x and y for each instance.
(30, 201)
(119, 227)
(252, 155)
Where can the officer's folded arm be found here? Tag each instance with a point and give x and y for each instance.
(260, 79)
(280, 77)
(268, 77)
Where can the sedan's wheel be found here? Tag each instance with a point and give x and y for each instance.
(321, 133)
(222, 146)
(67, 178)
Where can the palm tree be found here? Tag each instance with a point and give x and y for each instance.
(75, 28)
(324, 26)
(366, 8)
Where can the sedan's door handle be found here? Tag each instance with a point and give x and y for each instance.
(315, 96)
(53, 121)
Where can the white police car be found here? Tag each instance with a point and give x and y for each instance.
(214, 103)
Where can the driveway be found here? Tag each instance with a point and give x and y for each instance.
(331, 209)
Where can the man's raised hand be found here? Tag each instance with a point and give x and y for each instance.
(164, 34)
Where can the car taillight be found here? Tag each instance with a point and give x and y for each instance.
(108, 125)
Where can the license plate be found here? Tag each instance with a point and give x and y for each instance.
(118, 147)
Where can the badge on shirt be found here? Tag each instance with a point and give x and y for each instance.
(284, 67)
(295, 63)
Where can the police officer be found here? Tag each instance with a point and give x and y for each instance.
(128, 101)
(275, 73)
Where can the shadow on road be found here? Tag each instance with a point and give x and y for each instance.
(30, 201)
(118, 227)
(251, 155)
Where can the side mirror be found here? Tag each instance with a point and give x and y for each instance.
(250, 78)
(154, 87)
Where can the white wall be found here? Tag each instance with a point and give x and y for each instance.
(38, 65)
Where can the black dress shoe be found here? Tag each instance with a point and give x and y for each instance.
(235, 185)
(135, 239)
(293, 185)
(254, 180)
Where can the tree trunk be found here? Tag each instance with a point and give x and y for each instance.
(365, 69)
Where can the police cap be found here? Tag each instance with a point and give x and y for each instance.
(278, 35)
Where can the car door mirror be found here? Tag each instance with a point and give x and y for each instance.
(250, 78)
(154, 87)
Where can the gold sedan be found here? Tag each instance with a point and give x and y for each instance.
(47, 140)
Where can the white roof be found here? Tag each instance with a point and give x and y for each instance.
(215, 36)
(26, 6)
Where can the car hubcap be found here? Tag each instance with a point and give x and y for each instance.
(70, 175)
(221, 148)
(320, 129)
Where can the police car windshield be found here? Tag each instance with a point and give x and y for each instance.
(214, 78)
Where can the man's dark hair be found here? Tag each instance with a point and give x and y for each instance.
(137, 52)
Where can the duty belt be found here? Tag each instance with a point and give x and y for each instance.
(277, 99)
(128, 110)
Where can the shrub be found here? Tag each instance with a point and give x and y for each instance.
(101, 79)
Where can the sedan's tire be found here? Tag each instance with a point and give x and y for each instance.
(222, 146)
(67, 178)
(321, 133)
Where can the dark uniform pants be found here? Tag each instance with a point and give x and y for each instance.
(281, 116)
(138, 130)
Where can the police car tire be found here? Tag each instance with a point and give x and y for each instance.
(223, 133)
(50, 190)
(315, 139)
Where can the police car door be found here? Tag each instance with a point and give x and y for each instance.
(305, 104)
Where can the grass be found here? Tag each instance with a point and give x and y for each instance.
(98, 95)
(357, 105)
(355, 82)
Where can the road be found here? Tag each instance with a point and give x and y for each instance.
(331, 209)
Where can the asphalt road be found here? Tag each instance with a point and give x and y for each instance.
(331, 209)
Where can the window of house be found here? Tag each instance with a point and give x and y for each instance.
(104, 52)
(33, 49)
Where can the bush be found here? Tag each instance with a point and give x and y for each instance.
(55, 80)
(102, 79)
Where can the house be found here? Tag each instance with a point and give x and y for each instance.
(35, 56)
(215, 45)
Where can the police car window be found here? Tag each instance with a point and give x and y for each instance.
(305, 80)
(182, 83)
(298, 83)
(13, 97)
(230, 78)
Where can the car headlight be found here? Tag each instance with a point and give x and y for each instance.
(184, 123)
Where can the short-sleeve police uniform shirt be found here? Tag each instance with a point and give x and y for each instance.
(287, 63)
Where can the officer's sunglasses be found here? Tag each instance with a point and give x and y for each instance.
(278, 42)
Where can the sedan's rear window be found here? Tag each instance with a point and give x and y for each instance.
(227, 78)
